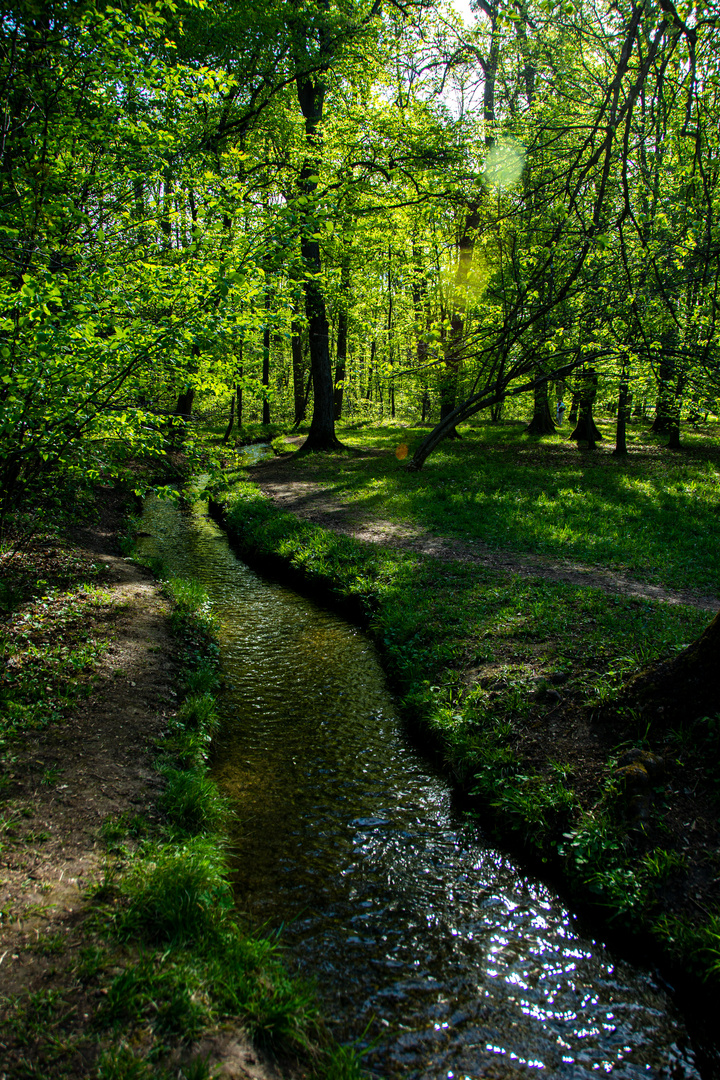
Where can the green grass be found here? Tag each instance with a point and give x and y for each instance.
(192, 802)
(50, 649)
(162, 955)
(484, 659)
(652, 514)
(464, 616)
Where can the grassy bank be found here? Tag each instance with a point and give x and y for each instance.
(651, 514)
(508, 679)
(142, 969)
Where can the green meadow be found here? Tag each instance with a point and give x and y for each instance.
(652, 514)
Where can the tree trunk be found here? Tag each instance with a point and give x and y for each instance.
(311, 96)
(585, 430)
(298, 380)
(542, 422)
(166, 219)
(231, 421)
(664, 404)
(266, 363)
(682, 689)
(487, 397)
(239, 391)
(574, 404)
(371, 369)
(674, 417)
(185, 403)
(341, 354)
(425, 405)
(454, 347)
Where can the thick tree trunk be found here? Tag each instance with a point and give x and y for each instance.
(586, 430)
(674, 417)
(664, 403)
(679, 690)
(674, 432)
(185, 403)
(542, 422)
(311, 95)
(574, 405)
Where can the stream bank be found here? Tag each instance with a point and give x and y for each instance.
(101, 669)
(532, 762)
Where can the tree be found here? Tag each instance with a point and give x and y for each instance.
(682, 689)
(561, 227)
(586, 430)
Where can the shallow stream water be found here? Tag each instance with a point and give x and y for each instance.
(418, 935)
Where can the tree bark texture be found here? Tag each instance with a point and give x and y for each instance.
(664, 403)
(682, 689)
(622, 418)
(574, 405)
(311, 96)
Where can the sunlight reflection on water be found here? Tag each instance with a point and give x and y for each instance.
(417, 934)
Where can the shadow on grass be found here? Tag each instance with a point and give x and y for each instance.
(652, 514)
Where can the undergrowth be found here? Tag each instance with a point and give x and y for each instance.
(484, 661)
(166, 904)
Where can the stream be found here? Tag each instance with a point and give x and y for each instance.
(421, 940)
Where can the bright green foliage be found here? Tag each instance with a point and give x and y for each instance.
(171, 197)
(191, 801)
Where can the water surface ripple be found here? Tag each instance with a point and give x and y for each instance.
(416, 933)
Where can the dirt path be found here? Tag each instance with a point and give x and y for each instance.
(309, 499)
(68, 778)
(64, 781)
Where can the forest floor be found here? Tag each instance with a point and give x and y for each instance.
(512, 661)
(304, 494)
(561, 726)
(68, 784)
